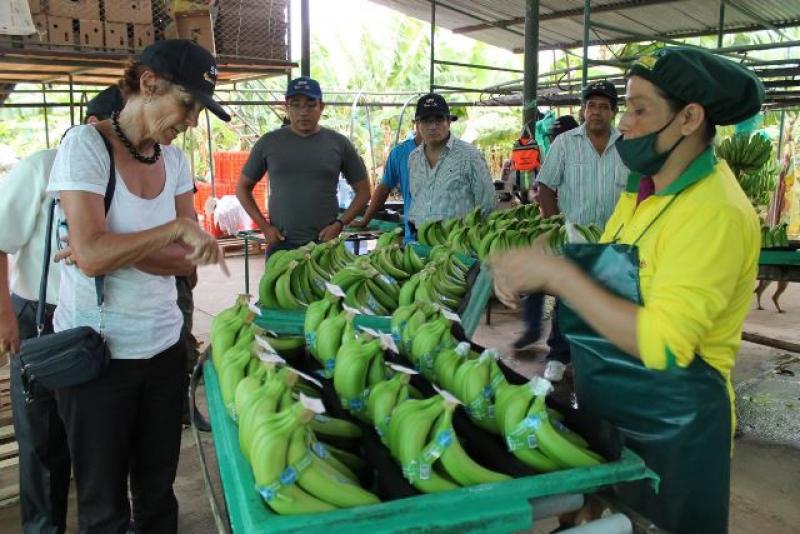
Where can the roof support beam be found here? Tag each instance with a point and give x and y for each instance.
(568, 13)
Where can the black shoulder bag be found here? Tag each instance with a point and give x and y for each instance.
(74, 356)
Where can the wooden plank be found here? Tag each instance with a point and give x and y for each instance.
(9, 450)
(7, 434)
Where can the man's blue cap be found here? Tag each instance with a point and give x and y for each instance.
(304, 86)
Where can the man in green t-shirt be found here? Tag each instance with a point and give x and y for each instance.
(304, 161)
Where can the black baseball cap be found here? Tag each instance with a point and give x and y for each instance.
(433, 104)
(601, 88)
(105, 103)
(189, 65)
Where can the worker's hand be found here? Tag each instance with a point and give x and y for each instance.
(272, 235)
(9, 332)
(330, 231)
(204, 247)
(360, 223)
(523, 271)
(65, 255)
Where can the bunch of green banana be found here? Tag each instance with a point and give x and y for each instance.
(745, 153)
(383, 397)
(328, 340)
(447, 362)
(285, 345)
(390, 261)
(408, 319)
(322, 480)
(318, 311)
(475, 383)
(430, 339)
(531, 435)
(293, 279)
(359, 365)
(432, 233)
(225, 328)
(393, 237)
(294, 473)
(454, 460)
(366, 290)
(775, 236)
(407, 438)
(442, 281)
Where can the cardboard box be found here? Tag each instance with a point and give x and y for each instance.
(143, 36)
(91, 35)
(196, 26)
(59, 31)
(133, 11)
(35, 6)
(40, 37)
(75, 9)
(116, 35)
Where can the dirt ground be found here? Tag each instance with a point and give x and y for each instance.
(765, 491)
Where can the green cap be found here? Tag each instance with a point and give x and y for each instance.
(729, 92)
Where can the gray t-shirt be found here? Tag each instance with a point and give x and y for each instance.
(303, 177)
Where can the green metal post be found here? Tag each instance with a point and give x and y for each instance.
(210, 155)
(305, 40)
(531, 61)
(433, 43)
(721, 34)
(587, 9)
(46, 121)
(246, 265)
(780, 135)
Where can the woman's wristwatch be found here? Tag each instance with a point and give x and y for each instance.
(340, 222)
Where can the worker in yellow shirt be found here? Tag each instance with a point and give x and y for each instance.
(654, 315)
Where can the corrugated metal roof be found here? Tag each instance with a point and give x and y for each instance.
(501, 23)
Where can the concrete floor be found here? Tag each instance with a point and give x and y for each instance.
(765, 489)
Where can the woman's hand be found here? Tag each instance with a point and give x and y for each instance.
(9, 332)
(525, 270)
(205, 249)
(330, 231)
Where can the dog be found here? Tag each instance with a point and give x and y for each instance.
(762, 286)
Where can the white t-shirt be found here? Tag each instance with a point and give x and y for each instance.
(142, 317)
(25, 228)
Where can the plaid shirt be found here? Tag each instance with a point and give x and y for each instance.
(459, 182)
(588, 183)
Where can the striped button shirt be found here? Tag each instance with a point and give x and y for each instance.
(588, 183)
(459, 182)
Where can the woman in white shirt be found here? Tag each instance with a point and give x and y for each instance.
(127, 423)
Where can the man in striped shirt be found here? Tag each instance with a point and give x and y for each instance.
(448, 177)
(583, 167)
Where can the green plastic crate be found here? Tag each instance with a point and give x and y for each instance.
(779, 257)
(502, 507)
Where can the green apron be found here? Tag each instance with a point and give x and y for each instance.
(678, 420)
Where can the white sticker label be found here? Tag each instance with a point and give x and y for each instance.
(387, 343)
(540, 386)
(450, 316)
(370, 331)
(463, 348)
(265, 345)
(402, 369)
(306, 377)
(490, 353)
(270, 357)
(334, 290)
(351, 311)
(447, 396)
(315, 405)
(255, 309)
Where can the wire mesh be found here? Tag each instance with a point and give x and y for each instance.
(235, 30)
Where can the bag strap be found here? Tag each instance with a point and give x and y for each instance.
(99, 281)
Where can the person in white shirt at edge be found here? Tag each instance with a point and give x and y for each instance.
(125, 426)
(584, 168)
(44, 466)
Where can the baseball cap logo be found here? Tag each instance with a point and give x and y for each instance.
(430, 102)
(211, 75)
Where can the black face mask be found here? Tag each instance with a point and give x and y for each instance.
(640, 155)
